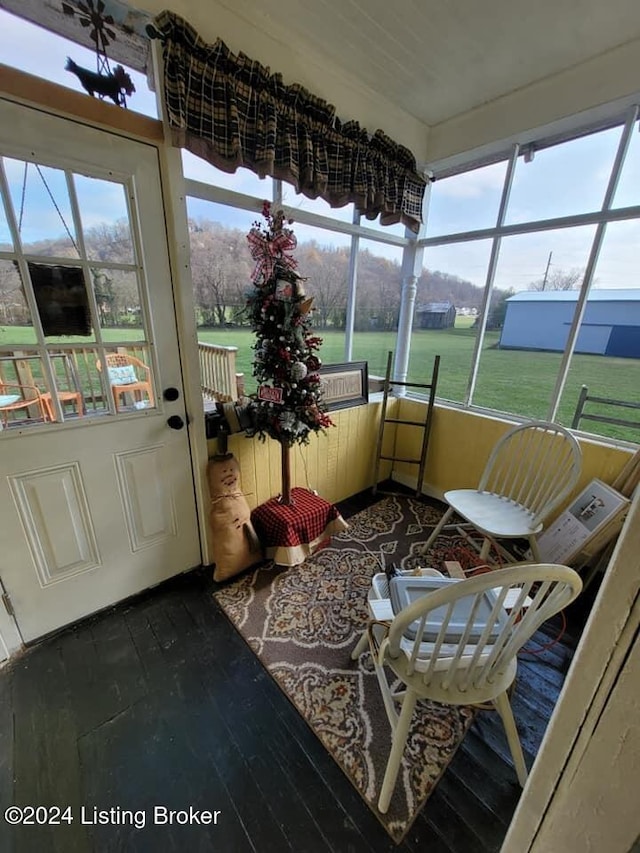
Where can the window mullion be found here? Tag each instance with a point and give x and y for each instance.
(581, 305)
(491, 273)
(352, 284)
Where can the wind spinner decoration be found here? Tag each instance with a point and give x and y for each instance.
(103, 82)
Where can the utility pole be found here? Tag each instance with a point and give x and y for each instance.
(546, 272)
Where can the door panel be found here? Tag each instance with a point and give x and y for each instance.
(96, 493)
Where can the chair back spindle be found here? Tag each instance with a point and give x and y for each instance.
(534, 466)
(474, 660)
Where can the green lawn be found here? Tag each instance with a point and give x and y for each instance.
(508, 380)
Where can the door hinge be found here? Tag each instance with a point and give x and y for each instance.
(7, 604)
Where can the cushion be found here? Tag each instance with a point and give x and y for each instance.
(9, 399)
(122, 375)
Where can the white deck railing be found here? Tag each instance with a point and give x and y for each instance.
(218, 376)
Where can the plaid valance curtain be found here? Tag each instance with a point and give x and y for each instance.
(231, 111)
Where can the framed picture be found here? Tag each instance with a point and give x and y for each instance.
(345, 385)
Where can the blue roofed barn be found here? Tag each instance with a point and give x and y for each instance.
(542, 320)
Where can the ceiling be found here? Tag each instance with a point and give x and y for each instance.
(436, 59)
(443, 77)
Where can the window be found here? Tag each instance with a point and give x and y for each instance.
(297, 201)
(241, 181)
(522, 366)
(70, 283)
(323, 259)
(527, 336)
(221, 270)
(467, 201)
(607, 354)
(377, 304)
(448, 301)
(47, 54)
(564, 179)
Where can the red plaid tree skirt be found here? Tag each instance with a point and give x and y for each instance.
(289, 534)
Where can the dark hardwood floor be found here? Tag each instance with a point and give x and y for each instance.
(159, 703)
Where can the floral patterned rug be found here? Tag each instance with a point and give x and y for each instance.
(303, 623)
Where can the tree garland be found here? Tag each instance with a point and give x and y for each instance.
(288, 404)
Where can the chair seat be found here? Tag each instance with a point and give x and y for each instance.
(74, 397)
(493, 514)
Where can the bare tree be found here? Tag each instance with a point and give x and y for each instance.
(326, 269)
(219, 269)
(559, 279)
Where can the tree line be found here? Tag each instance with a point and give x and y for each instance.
(221, 268)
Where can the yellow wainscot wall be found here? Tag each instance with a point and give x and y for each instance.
(337, 464)
(340, 462)
(461, 442)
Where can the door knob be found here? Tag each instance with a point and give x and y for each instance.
(170, 394)
(175, 422)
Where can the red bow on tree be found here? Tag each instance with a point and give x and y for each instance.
(267, 252)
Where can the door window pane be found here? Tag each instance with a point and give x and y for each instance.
(61, 296)
(127, 374)
(447, 302)
(520, 359)
(42, 209)
(467, 201)
(24, 393)
(564, 179)
(16, 325)
(105, 220)
(119, 304)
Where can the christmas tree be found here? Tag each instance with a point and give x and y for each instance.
(288, 404)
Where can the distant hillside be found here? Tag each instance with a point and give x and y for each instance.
(221, 271)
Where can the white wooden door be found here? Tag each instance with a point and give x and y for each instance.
(96, 488)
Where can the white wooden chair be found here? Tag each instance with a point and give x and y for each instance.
(532, 468)
(466, 665)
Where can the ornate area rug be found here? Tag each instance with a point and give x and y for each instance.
(303, 623)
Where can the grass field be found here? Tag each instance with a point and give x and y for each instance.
(508, 380)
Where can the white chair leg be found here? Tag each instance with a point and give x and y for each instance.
(362, 644)
(397, 750)
(535, 551)
(387, 695)
(486, 548)
(436, 530)
(503, 707)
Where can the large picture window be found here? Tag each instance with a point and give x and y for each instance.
(561, 296)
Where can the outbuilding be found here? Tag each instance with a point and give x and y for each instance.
(539, 320)
(436, 315)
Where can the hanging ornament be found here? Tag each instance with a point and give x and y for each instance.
(298, 371)
(272, 395)
(284, 290)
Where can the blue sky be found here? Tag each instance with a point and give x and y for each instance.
(565, 180)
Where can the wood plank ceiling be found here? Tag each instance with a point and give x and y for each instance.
(439, 59)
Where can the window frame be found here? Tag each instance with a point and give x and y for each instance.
(600, 218)
(414, 245)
